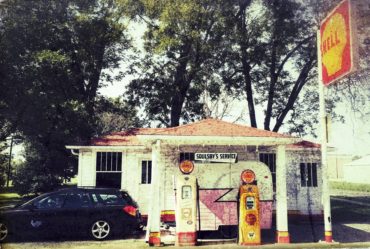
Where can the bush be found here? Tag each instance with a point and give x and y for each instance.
(29, 179)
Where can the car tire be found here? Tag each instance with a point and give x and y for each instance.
(4, 231)
(100, 229)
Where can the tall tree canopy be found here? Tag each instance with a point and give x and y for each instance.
(179, 61)
(52, 56)
(263, 51)
(270, 56)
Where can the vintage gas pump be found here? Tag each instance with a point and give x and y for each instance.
(186, 206)
(249, 218)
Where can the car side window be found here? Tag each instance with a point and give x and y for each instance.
(76, 200)
(112, 199)
(107, 199)
(51, 201)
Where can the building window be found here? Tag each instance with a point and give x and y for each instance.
(108, 169)
(270, 160)
(308, 174)
(186, 156)
(146, 172)
(108, 161)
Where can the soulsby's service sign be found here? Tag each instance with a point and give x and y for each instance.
(216, 157)
(337, 43)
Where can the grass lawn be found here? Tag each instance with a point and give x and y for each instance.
(9, 197)
(360, 187)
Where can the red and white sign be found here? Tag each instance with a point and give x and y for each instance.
(336, 44)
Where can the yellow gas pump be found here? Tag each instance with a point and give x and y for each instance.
(249, 219)
(186, 206)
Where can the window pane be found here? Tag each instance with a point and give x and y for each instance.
(103, 166)
(119, 162)
(309, 174)
(98, 161)
(50, 202)
(314, 174)
(270, 160)
(149, 172)
(111, 199)
(144, 172)
(108, 161)
(108, 180)
(303, 175)
(112, 166)
(76, 200)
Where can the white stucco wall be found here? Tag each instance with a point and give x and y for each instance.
(86, 169)
(302, 200)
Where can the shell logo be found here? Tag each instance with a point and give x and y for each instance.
(335, 44)
(186, 167)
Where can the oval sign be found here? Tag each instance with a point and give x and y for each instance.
(186, 166)
(248, 176)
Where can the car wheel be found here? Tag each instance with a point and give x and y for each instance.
(3, 231)
(100, 230)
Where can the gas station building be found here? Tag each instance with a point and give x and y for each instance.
(145, 162)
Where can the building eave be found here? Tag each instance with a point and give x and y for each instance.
(104, 148)
(219, 140)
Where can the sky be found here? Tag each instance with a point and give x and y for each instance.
(351, 137)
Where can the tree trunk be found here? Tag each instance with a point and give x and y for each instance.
(181, 84)
(300, 82)
(245, 65)
(273, 79)
(249, 92)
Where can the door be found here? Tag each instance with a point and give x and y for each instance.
(42, 216)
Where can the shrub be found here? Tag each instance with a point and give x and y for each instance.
(33, 179)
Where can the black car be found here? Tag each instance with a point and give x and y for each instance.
(98, 213)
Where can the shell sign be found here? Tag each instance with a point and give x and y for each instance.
(336, 43)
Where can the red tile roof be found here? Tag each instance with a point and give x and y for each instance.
(214, 127)
(206, 127)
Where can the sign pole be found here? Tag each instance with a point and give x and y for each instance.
(324, 165)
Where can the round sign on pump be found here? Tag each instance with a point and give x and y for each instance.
(248, 176)
(186, 167)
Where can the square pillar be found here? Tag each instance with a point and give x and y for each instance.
(282, 234)
(154, 211)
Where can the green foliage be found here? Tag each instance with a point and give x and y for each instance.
(31, 179)
(3, 167)
(114, 114)
(260, 50)
(179, 60)
(52, 57)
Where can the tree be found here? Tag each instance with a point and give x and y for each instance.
(180, 62)
(271, 56)
(115, 114)
(52, 56)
